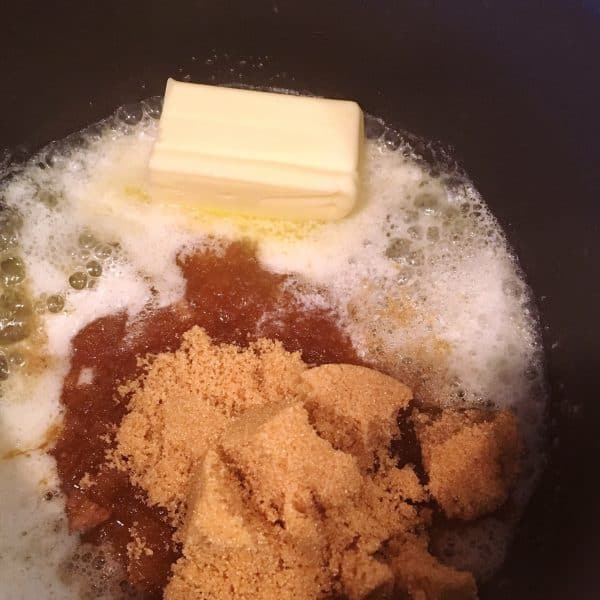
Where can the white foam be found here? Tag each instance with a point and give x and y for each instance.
(120, 289)
(30, 408)
(35, 541)
(456, 290)
(451, 284)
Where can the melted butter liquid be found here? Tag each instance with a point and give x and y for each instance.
(420, 277)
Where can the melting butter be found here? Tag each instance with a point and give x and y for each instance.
(258, 153)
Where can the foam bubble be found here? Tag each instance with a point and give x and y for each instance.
(35, 539)
(420, 274)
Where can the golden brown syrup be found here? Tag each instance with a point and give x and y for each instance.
(236, 301)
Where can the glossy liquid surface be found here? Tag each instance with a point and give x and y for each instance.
(236, 301)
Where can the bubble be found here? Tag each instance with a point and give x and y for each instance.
(450, 214)
(8, 240)
(76, 141)
(13, 270)
(416, 258)
(39, 305)
(398, 248)
(10, 225)
(16, 360)
(78, 280)
(131, 114)
(93, 133)
(87, 240)
(511, 287)
(392, 139)
(56, 154)
(403, 278)
(4, 368)
(410, 216)
(15, 311)
(10, 219)
(433, 233)
(99, 562)
(374, 128)
(415, 232)
(458, 230)
(94, 268)
(153, 107)
(55, 303)
(102, 251)
(427, 202)
(48, 198)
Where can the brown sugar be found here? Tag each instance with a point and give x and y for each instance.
(236, 301)
(422, 576)
(281, 482)
(287, 466)
(188, 398)
(265, 571)
(363, 576)
(471, 459)
(355, 408)
(137, 547)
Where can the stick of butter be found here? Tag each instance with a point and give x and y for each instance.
(257, 153)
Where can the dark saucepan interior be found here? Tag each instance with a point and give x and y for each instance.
(512, 85)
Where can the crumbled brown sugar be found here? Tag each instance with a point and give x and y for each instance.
(363, 576)
(287, 465)
(355, 408)
(471, 461)
(280, 479)
(137, 547)
(188, 399)
(423, 577)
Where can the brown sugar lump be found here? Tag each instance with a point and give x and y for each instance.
(355, 408)
(286, 465)
(422, 577)
(215, 511)
(363, 576)
(471, 459)
(231, 551)
(186, 399)
(281, 481)
(402, 483)
(369, 519)
(258, 573)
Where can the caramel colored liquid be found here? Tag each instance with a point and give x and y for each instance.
(235, 301)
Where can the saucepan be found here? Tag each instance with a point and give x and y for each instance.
(512, 86)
